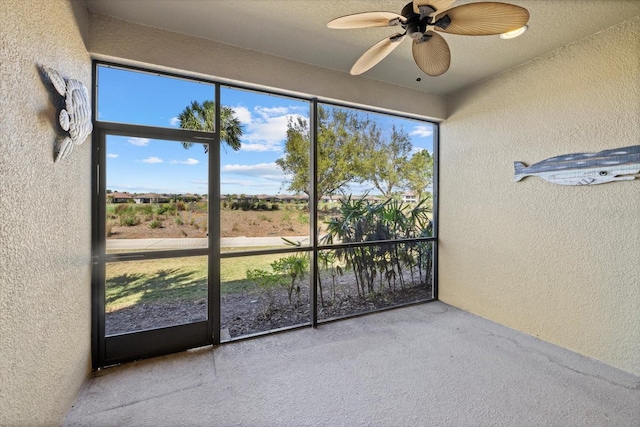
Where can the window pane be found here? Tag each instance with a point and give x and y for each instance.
(361, 279)
(156, 195)
(258, 207)
(152, 294)
(133, 97)
(374, 176)
(262, 293)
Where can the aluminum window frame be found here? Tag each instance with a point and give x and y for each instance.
(213, 251)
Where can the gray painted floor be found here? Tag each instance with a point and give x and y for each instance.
(429, 365)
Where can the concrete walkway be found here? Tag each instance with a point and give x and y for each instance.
(196, 243)
(425, 365)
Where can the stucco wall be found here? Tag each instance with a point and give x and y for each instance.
(129, 43)
(561, 263)
(45, 218)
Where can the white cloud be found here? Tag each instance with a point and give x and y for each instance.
(174, 121)
(113, 155)
(152, 160)
(422, 131)
(140, 142)
(267, 134)
(260, 147)
(268, 171)
(266, 112)
(243, 114)
(189, 161)
(260, 167)
(265, 129)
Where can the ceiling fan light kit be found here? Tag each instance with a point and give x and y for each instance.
(515, 33)
(420, 19)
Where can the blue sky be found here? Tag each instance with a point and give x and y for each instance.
(140, 165)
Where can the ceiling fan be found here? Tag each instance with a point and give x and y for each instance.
(421, 18)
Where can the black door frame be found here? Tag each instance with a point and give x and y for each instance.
(109, 350)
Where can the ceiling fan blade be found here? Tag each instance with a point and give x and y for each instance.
(432, 54)
(438, 5)
(364, 20)
(376, 53)
(484, 19)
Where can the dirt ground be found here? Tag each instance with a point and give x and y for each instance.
(233, 223)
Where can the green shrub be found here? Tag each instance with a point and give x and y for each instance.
(178, 220)
(303, 218)
(295, 267)
(123, 209)
(267, 282)
(129, 220)
(275, 207)
(155, 224)
(163, 209)
(144, 209)
(200, 207)
(109, 228)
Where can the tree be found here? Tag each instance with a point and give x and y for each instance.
(339, 143)
(419, 173)
(386, 159)
(202, 117)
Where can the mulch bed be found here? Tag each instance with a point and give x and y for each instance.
(245, 314)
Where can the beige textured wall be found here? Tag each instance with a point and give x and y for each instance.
(130, 43)
(561, 263)
(45, 218)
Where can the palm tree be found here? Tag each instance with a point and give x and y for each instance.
(202, 116)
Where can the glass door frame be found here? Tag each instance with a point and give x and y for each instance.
(114, 349)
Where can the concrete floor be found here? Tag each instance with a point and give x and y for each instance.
(423, 365)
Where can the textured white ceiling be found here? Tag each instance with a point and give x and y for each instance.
(296, 30)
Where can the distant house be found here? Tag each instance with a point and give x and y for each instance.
(119, 197)
(409, 198)
(150, 198)
(373, 199)
(329, 199)
(187, 197)
(266, 198)
(287, 198)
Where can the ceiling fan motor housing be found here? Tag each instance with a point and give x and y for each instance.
(414, 26)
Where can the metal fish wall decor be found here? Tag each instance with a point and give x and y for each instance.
(75, 118)
(620, 164)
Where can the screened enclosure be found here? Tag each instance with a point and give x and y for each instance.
(224, 212)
